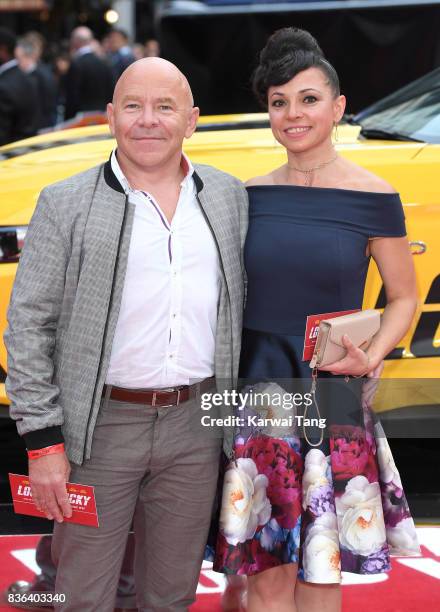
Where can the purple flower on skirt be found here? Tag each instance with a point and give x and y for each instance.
(349, 561)
(271, 535)
(377, 562)
(395, 506)
(322, 500)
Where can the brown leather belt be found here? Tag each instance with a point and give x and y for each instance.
(160, 397)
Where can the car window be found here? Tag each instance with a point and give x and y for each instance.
(413, 111)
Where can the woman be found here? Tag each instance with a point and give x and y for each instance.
(294, 515)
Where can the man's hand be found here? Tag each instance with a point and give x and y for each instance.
(48, 476)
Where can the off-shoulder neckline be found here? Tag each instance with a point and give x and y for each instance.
(339, 189)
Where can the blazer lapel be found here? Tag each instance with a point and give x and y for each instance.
(210, 205)
(103, 254)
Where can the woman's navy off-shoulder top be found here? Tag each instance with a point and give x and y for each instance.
(305, 251)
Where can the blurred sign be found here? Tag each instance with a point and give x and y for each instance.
(23, 5)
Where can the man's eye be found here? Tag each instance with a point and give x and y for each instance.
(310, 99)
(164, 107)
(132, 105)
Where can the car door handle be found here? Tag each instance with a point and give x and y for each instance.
(418, 247)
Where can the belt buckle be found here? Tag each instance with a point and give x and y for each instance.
(153, 401)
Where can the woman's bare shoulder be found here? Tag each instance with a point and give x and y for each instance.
(363, 180)
(266, 179)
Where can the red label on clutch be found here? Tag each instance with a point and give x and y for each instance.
(312, 328)
(81, 497)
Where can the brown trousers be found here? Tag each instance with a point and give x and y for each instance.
(149, 465)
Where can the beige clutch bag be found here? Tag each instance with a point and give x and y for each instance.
(359, 326)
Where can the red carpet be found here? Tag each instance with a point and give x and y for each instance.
(412, 586)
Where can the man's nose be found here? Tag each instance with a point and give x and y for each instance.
(148, 116)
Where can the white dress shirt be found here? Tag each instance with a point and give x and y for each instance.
(165, 335)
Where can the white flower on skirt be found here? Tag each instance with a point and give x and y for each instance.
(321, 554)
(402, 538)
(387, 467)
(275, 406)
(360, 517)
(245, 505)
(314, 476)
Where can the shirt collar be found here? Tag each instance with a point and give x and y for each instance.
(185, 164)
(83, 51)
(11, 64)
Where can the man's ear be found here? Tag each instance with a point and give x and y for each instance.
(111, 118)
(192, 121)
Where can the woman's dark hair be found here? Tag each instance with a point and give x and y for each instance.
(288, 52)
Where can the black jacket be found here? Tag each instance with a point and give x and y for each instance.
(88, 85)
(119, 61)
(47, 95)
(19, 107)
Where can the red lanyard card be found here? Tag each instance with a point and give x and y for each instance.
(81, 497)
(312, 328)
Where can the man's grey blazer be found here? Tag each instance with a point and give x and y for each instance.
(67, 293)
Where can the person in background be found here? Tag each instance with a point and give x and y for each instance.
(18, 109)
(138, 51)
(152, 48)
(89, 83)
(28, 55)
(120, 54)
(61, 64)
(40, 44)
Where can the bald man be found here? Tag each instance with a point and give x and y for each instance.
(89, 80)
(127, 305)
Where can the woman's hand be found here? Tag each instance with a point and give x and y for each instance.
(370, 385)
(355, 363)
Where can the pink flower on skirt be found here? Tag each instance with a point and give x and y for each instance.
(351, 454)
(283, 466)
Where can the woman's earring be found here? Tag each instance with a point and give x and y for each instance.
(335, 125)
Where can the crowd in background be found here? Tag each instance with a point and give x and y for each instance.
(43, 85)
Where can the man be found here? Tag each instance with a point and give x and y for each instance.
(128, 299)
(152, 47)
(120, 55)
(18, 108)
(89, 78)
(27, 54)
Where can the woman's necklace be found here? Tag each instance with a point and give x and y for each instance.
(309, 172)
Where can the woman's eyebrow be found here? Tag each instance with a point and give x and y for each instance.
(309, 89)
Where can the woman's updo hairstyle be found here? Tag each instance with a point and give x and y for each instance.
(288, 52)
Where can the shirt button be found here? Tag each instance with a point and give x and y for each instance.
(171, 356)
(174, 315)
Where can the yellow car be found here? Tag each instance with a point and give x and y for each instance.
(397, 138)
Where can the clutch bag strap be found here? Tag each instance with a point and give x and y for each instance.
(315, 401)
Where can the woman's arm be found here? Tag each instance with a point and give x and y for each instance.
(394, 261)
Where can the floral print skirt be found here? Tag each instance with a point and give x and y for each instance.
(337, 507)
